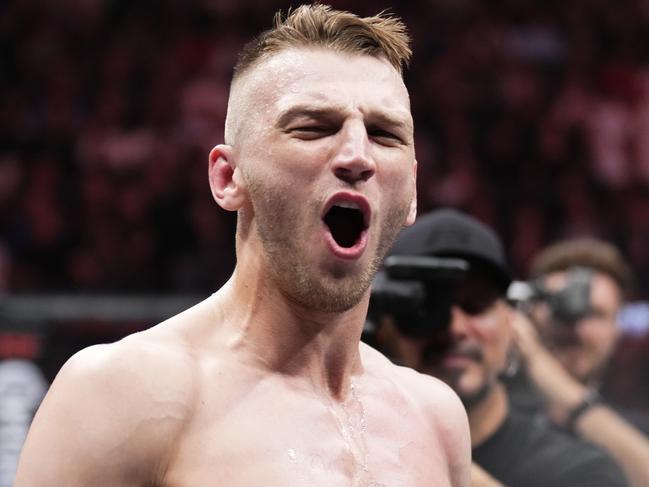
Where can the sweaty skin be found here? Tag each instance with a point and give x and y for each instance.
(263, 383)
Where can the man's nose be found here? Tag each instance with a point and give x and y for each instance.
(459, 325)
(353, 161)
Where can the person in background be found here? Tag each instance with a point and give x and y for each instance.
(567, 345)
(468, 342)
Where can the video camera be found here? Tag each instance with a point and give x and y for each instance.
(417, 291)
(567, 306)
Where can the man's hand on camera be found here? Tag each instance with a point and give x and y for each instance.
(561, 392)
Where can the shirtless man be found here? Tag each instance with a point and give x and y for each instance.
(266, 382)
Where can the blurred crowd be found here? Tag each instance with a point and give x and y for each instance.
(531, 116)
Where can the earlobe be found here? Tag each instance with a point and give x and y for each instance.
(412, 214)
(224, 180)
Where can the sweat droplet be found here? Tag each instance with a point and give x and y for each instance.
(292, 455)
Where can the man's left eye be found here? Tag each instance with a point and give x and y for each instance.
(384, 134)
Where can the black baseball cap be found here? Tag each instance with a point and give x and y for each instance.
(451, 233)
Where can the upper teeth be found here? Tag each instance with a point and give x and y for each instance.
(348, 204)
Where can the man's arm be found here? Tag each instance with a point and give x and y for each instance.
(109, 419)
(599, 424)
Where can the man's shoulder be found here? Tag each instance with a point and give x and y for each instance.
(145, 357)
(116, 409)
(145, 373)
(436, 408)
(423, 388)
(425, 394)
(161, 358)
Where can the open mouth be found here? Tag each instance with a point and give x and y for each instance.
(346, 224)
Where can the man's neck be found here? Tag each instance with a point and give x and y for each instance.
(276, 334)
(486, 416)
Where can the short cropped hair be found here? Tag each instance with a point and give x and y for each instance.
(584, 252)
(321, 26)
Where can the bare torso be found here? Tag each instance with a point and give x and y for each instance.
(179, 406)
(251, 428)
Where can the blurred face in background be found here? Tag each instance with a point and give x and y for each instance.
(584, 347)
(471, 352)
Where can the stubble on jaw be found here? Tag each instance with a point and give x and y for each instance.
(279, 219)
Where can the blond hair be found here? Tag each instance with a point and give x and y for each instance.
(319, 25)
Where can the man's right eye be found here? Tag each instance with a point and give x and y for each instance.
(311, 131)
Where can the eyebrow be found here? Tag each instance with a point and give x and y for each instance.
(307, 111)
(334, 113)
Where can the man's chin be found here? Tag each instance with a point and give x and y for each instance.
(330, 297)
(470, 400)
(450, 375)
(471, 396)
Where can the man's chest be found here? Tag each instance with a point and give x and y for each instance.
(282, 438)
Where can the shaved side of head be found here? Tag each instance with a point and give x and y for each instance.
(313, 26)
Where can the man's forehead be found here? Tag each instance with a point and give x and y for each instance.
(299, 61)
(606, 290)
(318, 75)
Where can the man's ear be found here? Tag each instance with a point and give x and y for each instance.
(225, 181)
(412, 214)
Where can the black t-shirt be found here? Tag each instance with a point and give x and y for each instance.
(525, 398)
(526, 451)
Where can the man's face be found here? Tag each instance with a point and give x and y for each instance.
(326, 152)
(584, 347)
(471, 352)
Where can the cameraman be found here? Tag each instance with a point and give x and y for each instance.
(459, 328)
(579, 288)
